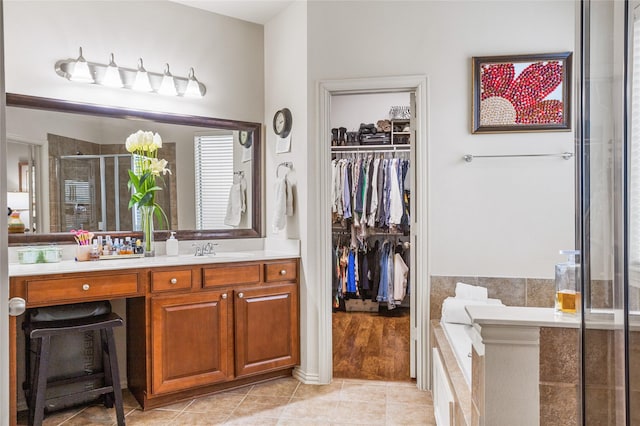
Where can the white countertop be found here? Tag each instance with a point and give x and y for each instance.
(228, 252)
(520, 316)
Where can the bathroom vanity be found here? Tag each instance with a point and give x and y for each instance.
(195, 325)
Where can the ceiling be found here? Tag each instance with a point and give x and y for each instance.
(257, 11)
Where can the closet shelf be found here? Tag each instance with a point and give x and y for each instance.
(385, 147)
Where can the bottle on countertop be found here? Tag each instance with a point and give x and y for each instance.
(172, 245)
(567, 284)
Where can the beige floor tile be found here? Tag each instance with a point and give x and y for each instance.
(151, 418)
(402, 384)
(257, 410)
(408, 396)
(265, 401)
(363, 392)
(331, 391)
(409, 414)
(198, 419)
(218, 403)
(52, 419)
(298, 422)
(252, 421)
(363, 414)
(178, 406)
(128, 400)
(94, 415)
(318, 410)
(281, 387)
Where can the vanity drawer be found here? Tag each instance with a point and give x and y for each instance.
(89, 287)
(171, 280)
(281, 271)
(226, 275)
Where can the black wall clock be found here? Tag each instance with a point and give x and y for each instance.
(282, 122)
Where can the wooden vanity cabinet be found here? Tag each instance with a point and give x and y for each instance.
(191, 330)
(228, 326)
(266, 328)
(191, 341)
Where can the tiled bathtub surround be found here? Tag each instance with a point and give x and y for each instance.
(533, 292)
(559, 376)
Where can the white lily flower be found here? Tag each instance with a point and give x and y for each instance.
(158, 166)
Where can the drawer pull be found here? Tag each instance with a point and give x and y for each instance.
(283, 272)
(85, 287)
(224, 296)
(240, 295)
(173, 280)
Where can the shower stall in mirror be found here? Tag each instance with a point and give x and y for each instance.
(93, 193)
(609, 211)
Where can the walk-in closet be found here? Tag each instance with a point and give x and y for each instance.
(371, 145)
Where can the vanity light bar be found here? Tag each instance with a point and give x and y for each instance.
(138, 79)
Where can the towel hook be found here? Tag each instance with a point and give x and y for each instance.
(287, 164)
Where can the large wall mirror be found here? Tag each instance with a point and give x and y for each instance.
(72, 164)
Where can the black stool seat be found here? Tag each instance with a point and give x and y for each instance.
(41, 332)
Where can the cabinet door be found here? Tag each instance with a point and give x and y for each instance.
(266, 328)
(191, 341)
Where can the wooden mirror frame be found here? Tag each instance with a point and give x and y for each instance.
(33, 102)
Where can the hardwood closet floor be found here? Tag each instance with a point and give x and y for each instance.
(371, 346)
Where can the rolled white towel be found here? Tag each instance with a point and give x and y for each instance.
(471, 292)
(453, 310)
(283, 203)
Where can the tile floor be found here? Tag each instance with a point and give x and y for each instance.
(279, 402)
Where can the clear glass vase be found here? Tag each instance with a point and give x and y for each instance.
(146, 215)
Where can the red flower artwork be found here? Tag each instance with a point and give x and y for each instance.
(507, 99)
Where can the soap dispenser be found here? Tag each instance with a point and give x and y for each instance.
(172, 245)
(567, 282)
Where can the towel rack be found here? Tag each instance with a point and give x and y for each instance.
(565, 156)
(287, 164)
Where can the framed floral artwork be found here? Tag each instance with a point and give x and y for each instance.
(522, 93)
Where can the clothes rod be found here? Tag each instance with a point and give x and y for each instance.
(368, 148)
(565, 156)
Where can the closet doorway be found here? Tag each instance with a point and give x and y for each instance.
(328, 90)
(372, 139)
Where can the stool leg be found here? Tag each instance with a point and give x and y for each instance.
(39, 387)
(115, 375)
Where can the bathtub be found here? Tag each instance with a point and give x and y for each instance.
(459, 339)
(451, 373)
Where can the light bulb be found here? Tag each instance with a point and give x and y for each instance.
(168, 85)
(112, 75)
(193, 88)
(81, 71)
(142, 83)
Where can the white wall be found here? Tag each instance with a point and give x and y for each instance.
(504, 217)
(226, 53)
(285, 46)
(351, 110)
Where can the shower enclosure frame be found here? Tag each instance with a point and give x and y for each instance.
(103, 193)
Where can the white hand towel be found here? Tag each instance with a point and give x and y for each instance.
(236, 204)
(453, 309)
(471, 292)
(283, 203)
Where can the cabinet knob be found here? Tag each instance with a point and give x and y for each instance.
(173, 280)
(85, 287)
(224, 296)
(240, 295)
(283, 272)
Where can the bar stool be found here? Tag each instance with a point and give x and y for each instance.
(40, 333)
